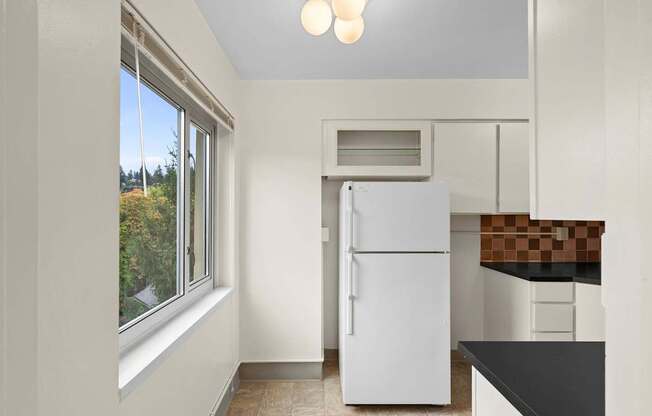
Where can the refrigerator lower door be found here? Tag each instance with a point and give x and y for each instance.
(398, 348)
(400, 216)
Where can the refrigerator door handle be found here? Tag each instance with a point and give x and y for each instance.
(349, 295)
(353, 281)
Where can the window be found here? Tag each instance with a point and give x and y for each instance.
(166, 198)
(198, 207)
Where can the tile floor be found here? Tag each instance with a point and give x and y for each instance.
(323, 398)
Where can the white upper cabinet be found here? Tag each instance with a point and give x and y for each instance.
(513, 156)
(377, 149)
(567, 112)
(465, 158)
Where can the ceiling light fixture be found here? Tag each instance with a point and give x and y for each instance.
(316, 18)
(348, 9)
(349, 31)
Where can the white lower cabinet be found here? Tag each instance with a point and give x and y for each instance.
(520, 310)
(487, 400)
(506, 307)
(589, 321)
(552, 317)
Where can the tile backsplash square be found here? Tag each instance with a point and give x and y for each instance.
(583, 244)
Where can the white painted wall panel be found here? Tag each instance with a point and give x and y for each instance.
(193, 376)
(61, 214)
(330, 218)
(627, 265)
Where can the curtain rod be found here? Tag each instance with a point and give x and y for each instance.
(176, 68)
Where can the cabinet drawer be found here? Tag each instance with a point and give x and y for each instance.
(553, 292)
(553, 336)
(552, 317)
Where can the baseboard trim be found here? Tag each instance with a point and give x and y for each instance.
(331, 354)
(221, 407)
(281, 371)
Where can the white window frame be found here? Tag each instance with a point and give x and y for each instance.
(190, 113)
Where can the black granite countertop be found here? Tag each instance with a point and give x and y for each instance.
(550, 272)
(544, 378)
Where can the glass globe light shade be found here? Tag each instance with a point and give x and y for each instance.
(316, 17)
(349, 31)
(349, 9)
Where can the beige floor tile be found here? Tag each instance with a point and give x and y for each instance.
(274, 411)
(253, 386)
(324, 398)
(342, 410)
(309, 385)
(244, 402)
(242, 412)
(280, 385)
(308, 411)
(278, 398)
(308, 398)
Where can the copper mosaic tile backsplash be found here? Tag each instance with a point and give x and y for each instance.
(583, 244)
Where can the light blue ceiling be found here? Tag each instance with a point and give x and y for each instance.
(403, 39)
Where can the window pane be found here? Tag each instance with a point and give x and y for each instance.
(148, 214)
(198, 179)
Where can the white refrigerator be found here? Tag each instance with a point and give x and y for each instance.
(394, 293)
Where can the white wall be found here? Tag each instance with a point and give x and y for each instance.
(627, 264)
(60, 212)
(61, 153)
(330, 196)
(280, 177)
(3, 177)
(467, 280)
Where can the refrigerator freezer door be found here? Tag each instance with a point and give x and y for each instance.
(400, 216)
(398, 351)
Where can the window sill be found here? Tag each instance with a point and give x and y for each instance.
(140, 360)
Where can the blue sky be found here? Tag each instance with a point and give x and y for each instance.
(160, 119)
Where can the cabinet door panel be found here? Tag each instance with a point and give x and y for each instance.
(567, 86)
(552, 317)
(553, 336)
(465, 158)
(553, 292)
(589, 313)
(506, 308)
(514, 186)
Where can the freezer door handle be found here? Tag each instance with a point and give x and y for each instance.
(350, 214)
